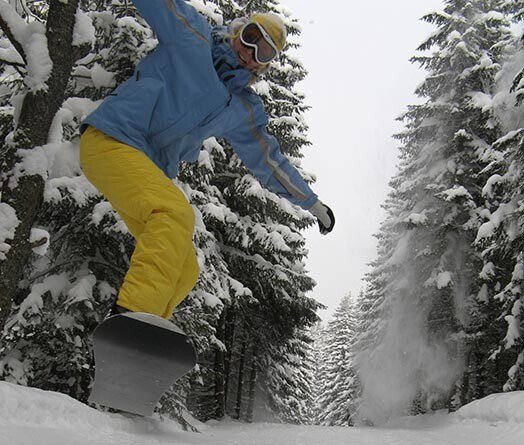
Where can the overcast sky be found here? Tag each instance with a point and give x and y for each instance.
(360, 79)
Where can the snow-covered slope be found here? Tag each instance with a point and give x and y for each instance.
(33, 417)
(507, 407)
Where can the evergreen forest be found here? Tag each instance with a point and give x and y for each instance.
(440, 321)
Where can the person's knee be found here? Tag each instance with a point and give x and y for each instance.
(181, 215)
(178, 209)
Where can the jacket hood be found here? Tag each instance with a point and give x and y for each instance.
(226, 62)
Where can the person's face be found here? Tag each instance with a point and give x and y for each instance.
(245, 55)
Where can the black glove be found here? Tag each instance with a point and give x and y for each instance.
(324, 215)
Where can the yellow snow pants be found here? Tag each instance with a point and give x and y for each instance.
(164, 266)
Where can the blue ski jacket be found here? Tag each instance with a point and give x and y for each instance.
(191, 87)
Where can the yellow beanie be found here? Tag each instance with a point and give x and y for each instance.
(274, 26)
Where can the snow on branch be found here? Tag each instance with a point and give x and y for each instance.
(455, 193)
(10, 56)
(30, 40)
(8, 224)
(208, 9)
(84, 30)
(13, 26)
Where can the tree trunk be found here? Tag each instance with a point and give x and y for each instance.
(37, 113)
(240, 383)
(229, 334)
(219, 371)
(252, 385)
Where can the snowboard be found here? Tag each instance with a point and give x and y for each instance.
(138, 356)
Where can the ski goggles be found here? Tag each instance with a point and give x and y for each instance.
(256, 37)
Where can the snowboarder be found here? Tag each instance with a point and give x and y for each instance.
(194, 85)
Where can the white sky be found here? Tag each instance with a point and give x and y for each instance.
(360, 79)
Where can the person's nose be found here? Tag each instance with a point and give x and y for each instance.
(250, 54)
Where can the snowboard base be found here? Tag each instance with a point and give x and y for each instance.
(138, 357)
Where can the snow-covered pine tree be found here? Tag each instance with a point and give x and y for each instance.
(290, 377)
(500, 238)
(318, 334)
(373, 310)
(336, 380)
(40, 49)
(264, 246)
(29, 23)
(370, 302)
(259, 236)
(447, 150)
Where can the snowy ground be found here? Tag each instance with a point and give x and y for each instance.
(33, 417)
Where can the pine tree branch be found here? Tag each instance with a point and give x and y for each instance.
(57, 268)
(79, 52)
(15, 65)
(9, 34)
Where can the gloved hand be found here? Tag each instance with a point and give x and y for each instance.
(324, 215)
